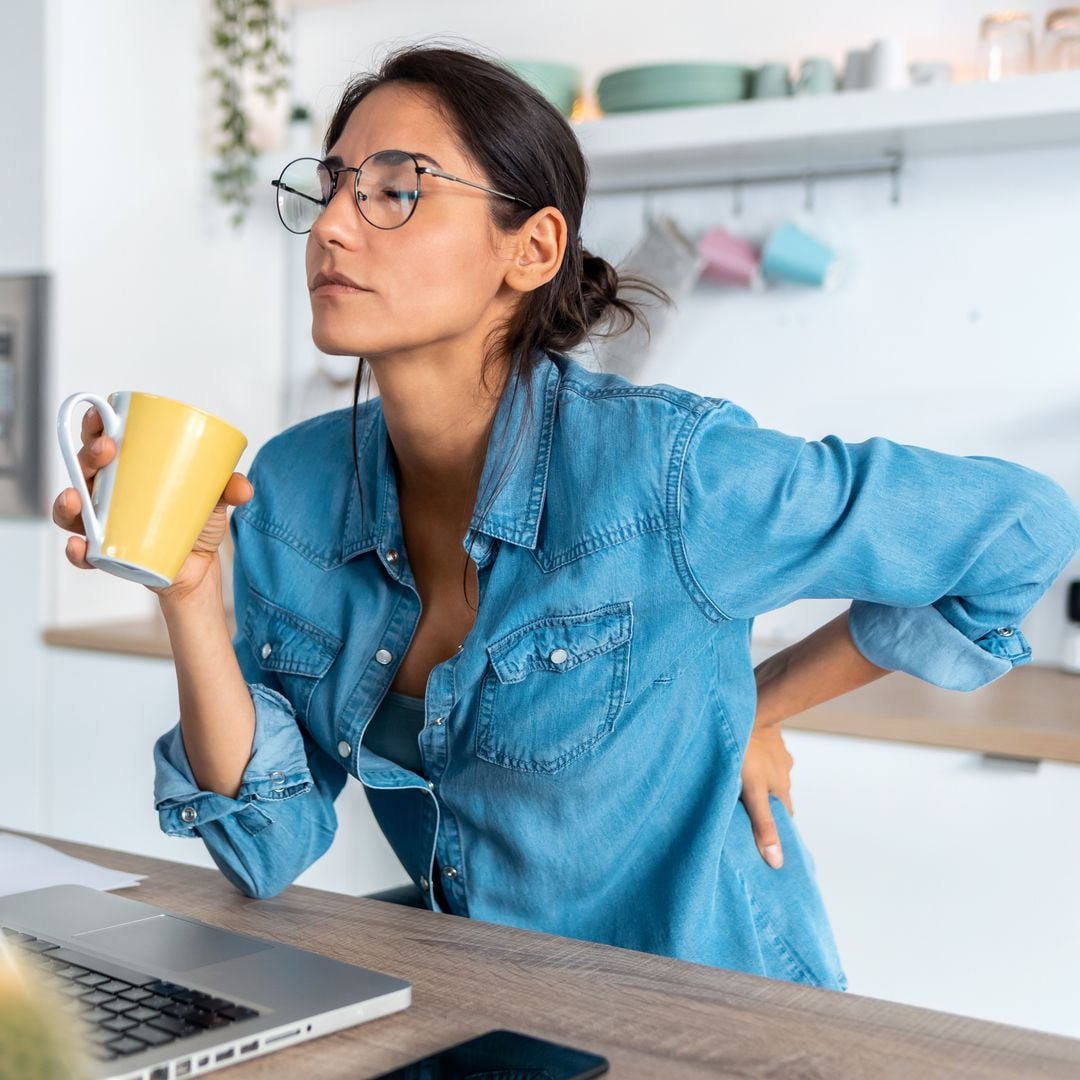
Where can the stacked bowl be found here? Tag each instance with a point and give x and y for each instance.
(673, 86)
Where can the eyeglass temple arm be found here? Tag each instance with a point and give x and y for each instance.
(293, 191)
(471, 183)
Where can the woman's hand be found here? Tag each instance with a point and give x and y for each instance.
(96, 452)
(766, 768)
(822, 666)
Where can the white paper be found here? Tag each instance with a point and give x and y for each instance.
(26, 864)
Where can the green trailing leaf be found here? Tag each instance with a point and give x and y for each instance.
(247, 39)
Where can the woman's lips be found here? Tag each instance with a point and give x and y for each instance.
(335, 289)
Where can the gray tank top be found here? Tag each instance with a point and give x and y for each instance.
(393, 730)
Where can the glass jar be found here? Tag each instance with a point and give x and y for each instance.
(1061, 41)
(1006, 45)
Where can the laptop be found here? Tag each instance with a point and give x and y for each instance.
(165, 997)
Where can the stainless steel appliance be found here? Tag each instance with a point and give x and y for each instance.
(23, 301)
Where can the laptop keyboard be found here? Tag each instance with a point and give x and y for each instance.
(125, 1012)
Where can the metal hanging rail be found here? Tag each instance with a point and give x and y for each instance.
(890, 164)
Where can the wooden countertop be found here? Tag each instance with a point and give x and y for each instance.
(133, 637)
(1033, 712)
(649, 1015)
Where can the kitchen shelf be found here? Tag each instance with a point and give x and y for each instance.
(827, 133)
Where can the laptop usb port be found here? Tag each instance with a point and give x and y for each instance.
(183, 1068)
(224, 1055)
(248, 1047)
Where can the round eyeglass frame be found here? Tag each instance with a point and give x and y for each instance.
(358, 197)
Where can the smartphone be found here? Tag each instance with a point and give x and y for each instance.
(496, 1052)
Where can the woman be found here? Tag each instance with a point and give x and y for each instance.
(514, 597)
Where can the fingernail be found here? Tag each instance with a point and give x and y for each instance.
(773, 856)
(98, 445)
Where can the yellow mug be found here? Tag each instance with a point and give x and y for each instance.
(152, 500)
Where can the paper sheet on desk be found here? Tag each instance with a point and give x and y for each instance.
(25, 864)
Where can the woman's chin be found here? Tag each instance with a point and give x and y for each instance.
(342, 345)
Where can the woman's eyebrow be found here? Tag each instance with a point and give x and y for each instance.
(336, 159)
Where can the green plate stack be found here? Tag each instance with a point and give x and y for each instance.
(672, 86)
(561, 84)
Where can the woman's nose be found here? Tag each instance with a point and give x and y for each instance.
(340, 217)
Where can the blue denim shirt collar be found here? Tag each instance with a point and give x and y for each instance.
(515, 510)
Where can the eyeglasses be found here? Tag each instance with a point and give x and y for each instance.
(386, 188)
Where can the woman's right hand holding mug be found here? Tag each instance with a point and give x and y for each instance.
(96, 452)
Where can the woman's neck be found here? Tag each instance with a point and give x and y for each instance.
(438, 420)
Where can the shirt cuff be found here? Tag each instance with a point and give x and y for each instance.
(923, 643)
(278, 769)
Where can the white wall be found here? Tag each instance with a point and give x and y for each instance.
(154, 289)
(22, 33)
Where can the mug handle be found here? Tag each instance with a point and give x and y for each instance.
(112, 426)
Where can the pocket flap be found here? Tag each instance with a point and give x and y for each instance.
(570, 639)
(283, 641)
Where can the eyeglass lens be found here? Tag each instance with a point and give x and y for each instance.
(386, 189)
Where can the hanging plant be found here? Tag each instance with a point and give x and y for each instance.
(246, 39)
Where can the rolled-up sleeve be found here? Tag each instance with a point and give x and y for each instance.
(942, 555)
(282, 817)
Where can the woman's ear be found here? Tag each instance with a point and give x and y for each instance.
(537, 250)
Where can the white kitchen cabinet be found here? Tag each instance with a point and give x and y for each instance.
(950, 878)
(22, 665)
(103, 714)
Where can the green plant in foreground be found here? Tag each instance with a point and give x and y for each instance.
(39, 1035)
(246, 37)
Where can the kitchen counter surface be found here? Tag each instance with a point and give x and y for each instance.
(1033, 712)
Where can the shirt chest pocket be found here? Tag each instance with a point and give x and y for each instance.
(553, 688)
(294, 652)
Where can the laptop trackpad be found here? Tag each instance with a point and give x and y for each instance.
(166, 941)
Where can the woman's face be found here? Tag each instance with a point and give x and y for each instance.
(435, 279)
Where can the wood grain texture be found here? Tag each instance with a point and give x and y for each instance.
(1032, 712)
(651, 1016)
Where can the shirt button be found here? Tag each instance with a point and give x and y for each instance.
(424, 884)
(188, 814)
(344, 749)
(1005, 631)
(449, 872)
(438, 721)
(558, 656)
(384, 656)
(430, 786)
(391, 555)
(277, 778)
(267, 649)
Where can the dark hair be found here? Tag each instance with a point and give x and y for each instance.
(525, 147)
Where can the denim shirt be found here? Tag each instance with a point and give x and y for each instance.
(582, 750)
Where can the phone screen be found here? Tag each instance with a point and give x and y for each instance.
(503, 1055)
